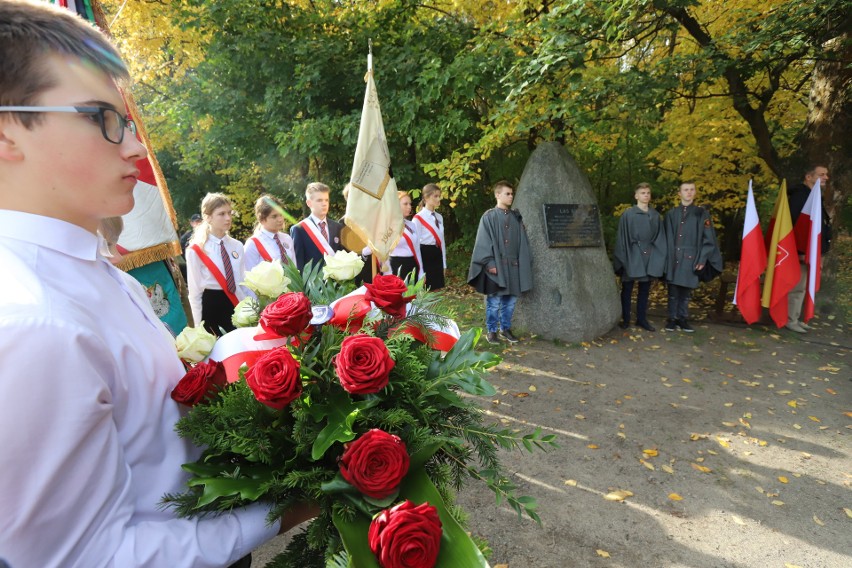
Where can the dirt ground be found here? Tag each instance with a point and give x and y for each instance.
(733, 442)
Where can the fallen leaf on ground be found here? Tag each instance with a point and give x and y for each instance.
(778, 503)
(602, 553)
(579, 417)
(797, 427)
(532, 388)
(738, 520)
(722, 442)
(675, 497)
(618, 495)
(695, 437)
(783, 479)
(701, 468)
(648, 465)
(667, 469)
(792, 403)
(848, 512)
(819, 522)
(571, 482)
(592, 446)
(814, 418)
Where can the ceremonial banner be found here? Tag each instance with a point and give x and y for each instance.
(809, 229)
(783, 271)
(752, 264)
(372, 209)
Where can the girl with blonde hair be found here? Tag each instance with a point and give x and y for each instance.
(269, 242)
(430, 232)
(214, 266)
(405, 258)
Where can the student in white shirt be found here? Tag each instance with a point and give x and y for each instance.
(86, 420)
(268, 242)
(214, 266)
(430, 231)
(405, 258)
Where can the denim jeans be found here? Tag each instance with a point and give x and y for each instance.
(499, 310)
(679, 302)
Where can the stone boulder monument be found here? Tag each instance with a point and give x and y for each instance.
(574, 296)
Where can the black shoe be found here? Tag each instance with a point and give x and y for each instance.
(646, 326)
(624, 325)
(491, 337)
(671, 325)
(507, 335)
(684, 326)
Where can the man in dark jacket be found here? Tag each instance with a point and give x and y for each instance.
(797, 195)
(691, 244)
(639, 255)
(501, 265)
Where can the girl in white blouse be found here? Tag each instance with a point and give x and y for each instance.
(430, 230)
(214, 267)
(268, 242)
(405, 258)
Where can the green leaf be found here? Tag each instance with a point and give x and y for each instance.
(340, 412)
(250, 488)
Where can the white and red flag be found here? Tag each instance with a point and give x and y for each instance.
(808, 229)
(752, 264)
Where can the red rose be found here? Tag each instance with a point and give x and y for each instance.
(288, 315)
(201, 381)
(386, 292)
(363, 364)
(274, 378)
(375, 463)
(406, 536)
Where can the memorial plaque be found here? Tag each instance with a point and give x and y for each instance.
(572, 225)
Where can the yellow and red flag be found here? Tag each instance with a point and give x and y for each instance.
(752, 264)
(783, 270)
(372, 209)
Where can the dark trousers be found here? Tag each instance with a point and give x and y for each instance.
(216, 311)
(679, 302)
(402, 266)
(433, 265)
(641, 300)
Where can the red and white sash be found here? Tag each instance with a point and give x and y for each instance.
(217, 274)
(415, 251)
(261, 250)
(431, 229)
(314, 233)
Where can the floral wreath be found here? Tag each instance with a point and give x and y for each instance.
(354, 399)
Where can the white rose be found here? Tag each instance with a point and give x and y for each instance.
(267, 279)
(194, 343)
(246, 313)
(342, 266)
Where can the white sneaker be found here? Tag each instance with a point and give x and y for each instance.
(796, 326)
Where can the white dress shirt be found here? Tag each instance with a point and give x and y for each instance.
(199, 279)
(425, 235)
(252, 255)
(86, 420)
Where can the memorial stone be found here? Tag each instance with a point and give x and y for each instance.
(574, 296)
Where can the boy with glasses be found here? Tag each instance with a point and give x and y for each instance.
(86, 420)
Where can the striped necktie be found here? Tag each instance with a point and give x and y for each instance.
(284, 259)
(229, 269)
(323, 231)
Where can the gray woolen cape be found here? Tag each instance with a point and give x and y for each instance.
(691, 241)
(640, 245)
(512, 259)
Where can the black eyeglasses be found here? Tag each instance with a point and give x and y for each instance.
(113, 123)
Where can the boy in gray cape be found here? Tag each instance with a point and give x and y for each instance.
(640, 255)
(501, 266)
(691, 245)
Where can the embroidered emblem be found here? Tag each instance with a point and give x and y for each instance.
(157, 297)
(235, 254)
